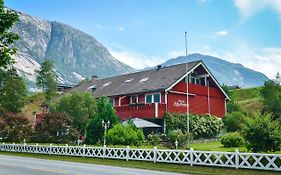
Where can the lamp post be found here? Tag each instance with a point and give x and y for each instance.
(105, 125)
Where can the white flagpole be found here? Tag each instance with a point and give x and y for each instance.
(187, 100)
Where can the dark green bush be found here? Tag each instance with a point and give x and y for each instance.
(234, 121)
(125, 135)
(262, 134)
(233, 139)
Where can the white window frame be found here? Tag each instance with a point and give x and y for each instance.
(131, 101)
(152, 97)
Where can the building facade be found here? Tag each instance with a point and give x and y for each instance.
(151, 93)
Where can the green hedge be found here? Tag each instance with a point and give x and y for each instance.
(233, 139)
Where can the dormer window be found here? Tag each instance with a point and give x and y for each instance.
(106, 84)
(144, 79)
(129, 80)
(93, 88)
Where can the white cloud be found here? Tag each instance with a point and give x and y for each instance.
(135, 59)
(250, 7)
(222, 33)
(176, 53)
(265, 60)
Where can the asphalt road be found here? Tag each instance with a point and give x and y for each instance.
(31, 166)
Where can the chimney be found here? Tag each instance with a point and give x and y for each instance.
(94, 77)
(158, 67)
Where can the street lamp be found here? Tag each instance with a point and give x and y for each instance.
(105, 125)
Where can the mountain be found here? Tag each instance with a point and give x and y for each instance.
(225, 72)
(76, 55)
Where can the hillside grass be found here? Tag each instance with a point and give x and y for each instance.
(250, 99)
(33, 104)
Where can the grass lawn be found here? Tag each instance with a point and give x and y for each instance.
(215, 146)
(148, 165)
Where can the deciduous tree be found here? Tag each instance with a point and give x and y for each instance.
(46, 79)
(106, 112)
(12, 91)
(55, 128)
(7, 38)
(79, 106)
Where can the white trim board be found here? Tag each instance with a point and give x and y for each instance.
(191, 70)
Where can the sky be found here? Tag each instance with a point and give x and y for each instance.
(144, 33)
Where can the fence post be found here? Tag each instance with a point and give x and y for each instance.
(191, 156)
(24, 147)
(127, 153)
(236, 154)
(104, 151)
(84, 150)
(66, 149)
(36, 148)
(14, 147)
(155, 154)
(51, 145)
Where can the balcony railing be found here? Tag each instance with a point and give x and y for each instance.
(153, 110)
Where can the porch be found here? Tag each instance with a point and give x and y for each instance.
(152, 110)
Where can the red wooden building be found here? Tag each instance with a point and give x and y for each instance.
(149, 94)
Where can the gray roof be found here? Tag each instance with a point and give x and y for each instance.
(141, 123)
(153, 80)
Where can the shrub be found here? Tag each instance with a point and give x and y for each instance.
(15, 128)
(233, 139)
(200, 126)
(125, 135)
(55, 128)
(205, 126)
(234, 121)
(154, 139)
(178, 135)
(262, 134)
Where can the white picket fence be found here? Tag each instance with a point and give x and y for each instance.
(190, 157)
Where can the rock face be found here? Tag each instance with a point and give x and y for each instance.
(76, 55)
(225, 72)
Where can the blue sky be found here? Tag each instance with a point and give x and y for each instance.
(144, 33)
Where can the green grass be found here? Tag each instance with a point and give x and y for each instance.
(250, 100)
(148, 165)
(33, 104)
(215, 146)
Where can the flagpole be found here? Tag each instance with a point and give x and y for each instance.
(187, 98)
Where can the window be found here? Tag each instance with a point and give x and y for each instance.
(106, 84)
(144, 79)
(93, 88)
(156, 98)
(129, 80)
(134, 99)
(148, 98)
(111, 101)
(153, 98)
